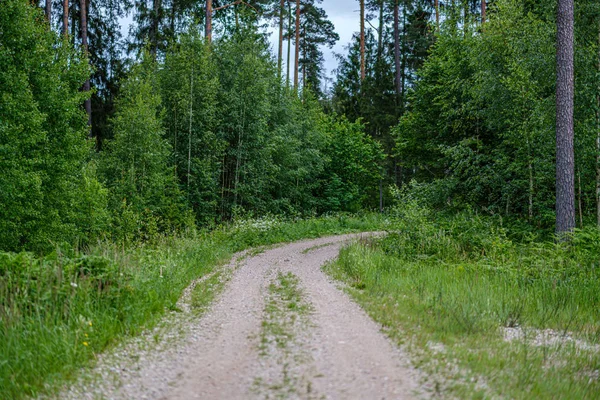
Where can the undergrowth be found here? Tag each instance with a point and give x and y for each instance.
(486, 314)
(59, 310)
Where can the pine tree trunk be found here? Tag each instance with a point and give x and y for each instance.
(208, 25)
(289, 43)
(66, 17)
(297, 62)
(280, 53)
(362, 40)
(84, 42)
(403, 68)
(380, 32)
(75, 21)
(483, 11)
(397, 48)
(565, 158)
(49, 10)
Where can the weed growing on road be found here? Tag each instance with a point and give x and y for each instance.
(487, 314)
(286, 315)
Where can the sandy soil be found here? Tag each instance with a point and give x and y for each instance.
(333, 351)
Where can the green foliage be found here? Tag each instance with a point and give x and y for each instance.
(144, 197)
(351, 175)
(296, 150)
(189, 86)
(481, 120)
(247, 77)
(43, 148)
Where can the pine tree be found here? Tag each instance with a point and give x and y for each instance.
(565, 159)
(297, 43)
(315, 31)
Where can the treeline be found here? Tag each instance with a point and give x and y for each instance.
(200, 132)
(481, 124)
(96, 26)
(463, 96)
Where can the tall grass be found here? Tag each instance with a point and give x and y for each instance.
(462, 281)
(57, 311)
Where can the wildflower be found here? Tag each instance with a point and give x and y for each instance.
(85, 343)
(73, 284)
(90, 323)
(86, 335)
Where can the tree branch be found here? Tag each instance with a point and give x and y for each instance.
(235, 3)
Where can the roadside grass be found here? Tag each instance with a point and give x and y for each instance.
(59, 310)
(486, 315)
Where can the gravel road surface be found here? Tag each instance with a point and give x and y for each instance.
(253, 342)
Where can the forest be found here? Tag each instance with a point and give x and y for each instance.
(469, 130)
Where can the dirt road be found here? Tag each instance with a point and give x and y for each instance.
(280, 329)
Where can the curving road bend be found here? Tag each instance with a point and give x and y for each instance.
(256, 342)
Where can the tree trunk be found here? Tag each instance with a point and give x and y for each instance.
(565, 157)
(380, 32)
(280, 53)
(155, 26)
(66, 18)
(437, 15)
(84, 42)
(403, 68)
(289, 43)
(598, 140)
(49, 10)
(208, 25)
(483, 10)
(397, 48)
(362, 40)
(75, 20)
(297, 62)
(465, 16)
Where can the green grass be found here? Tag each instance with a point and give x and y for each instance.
(286, 316)
(284, 306)
(58, 311)
(449, 287)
